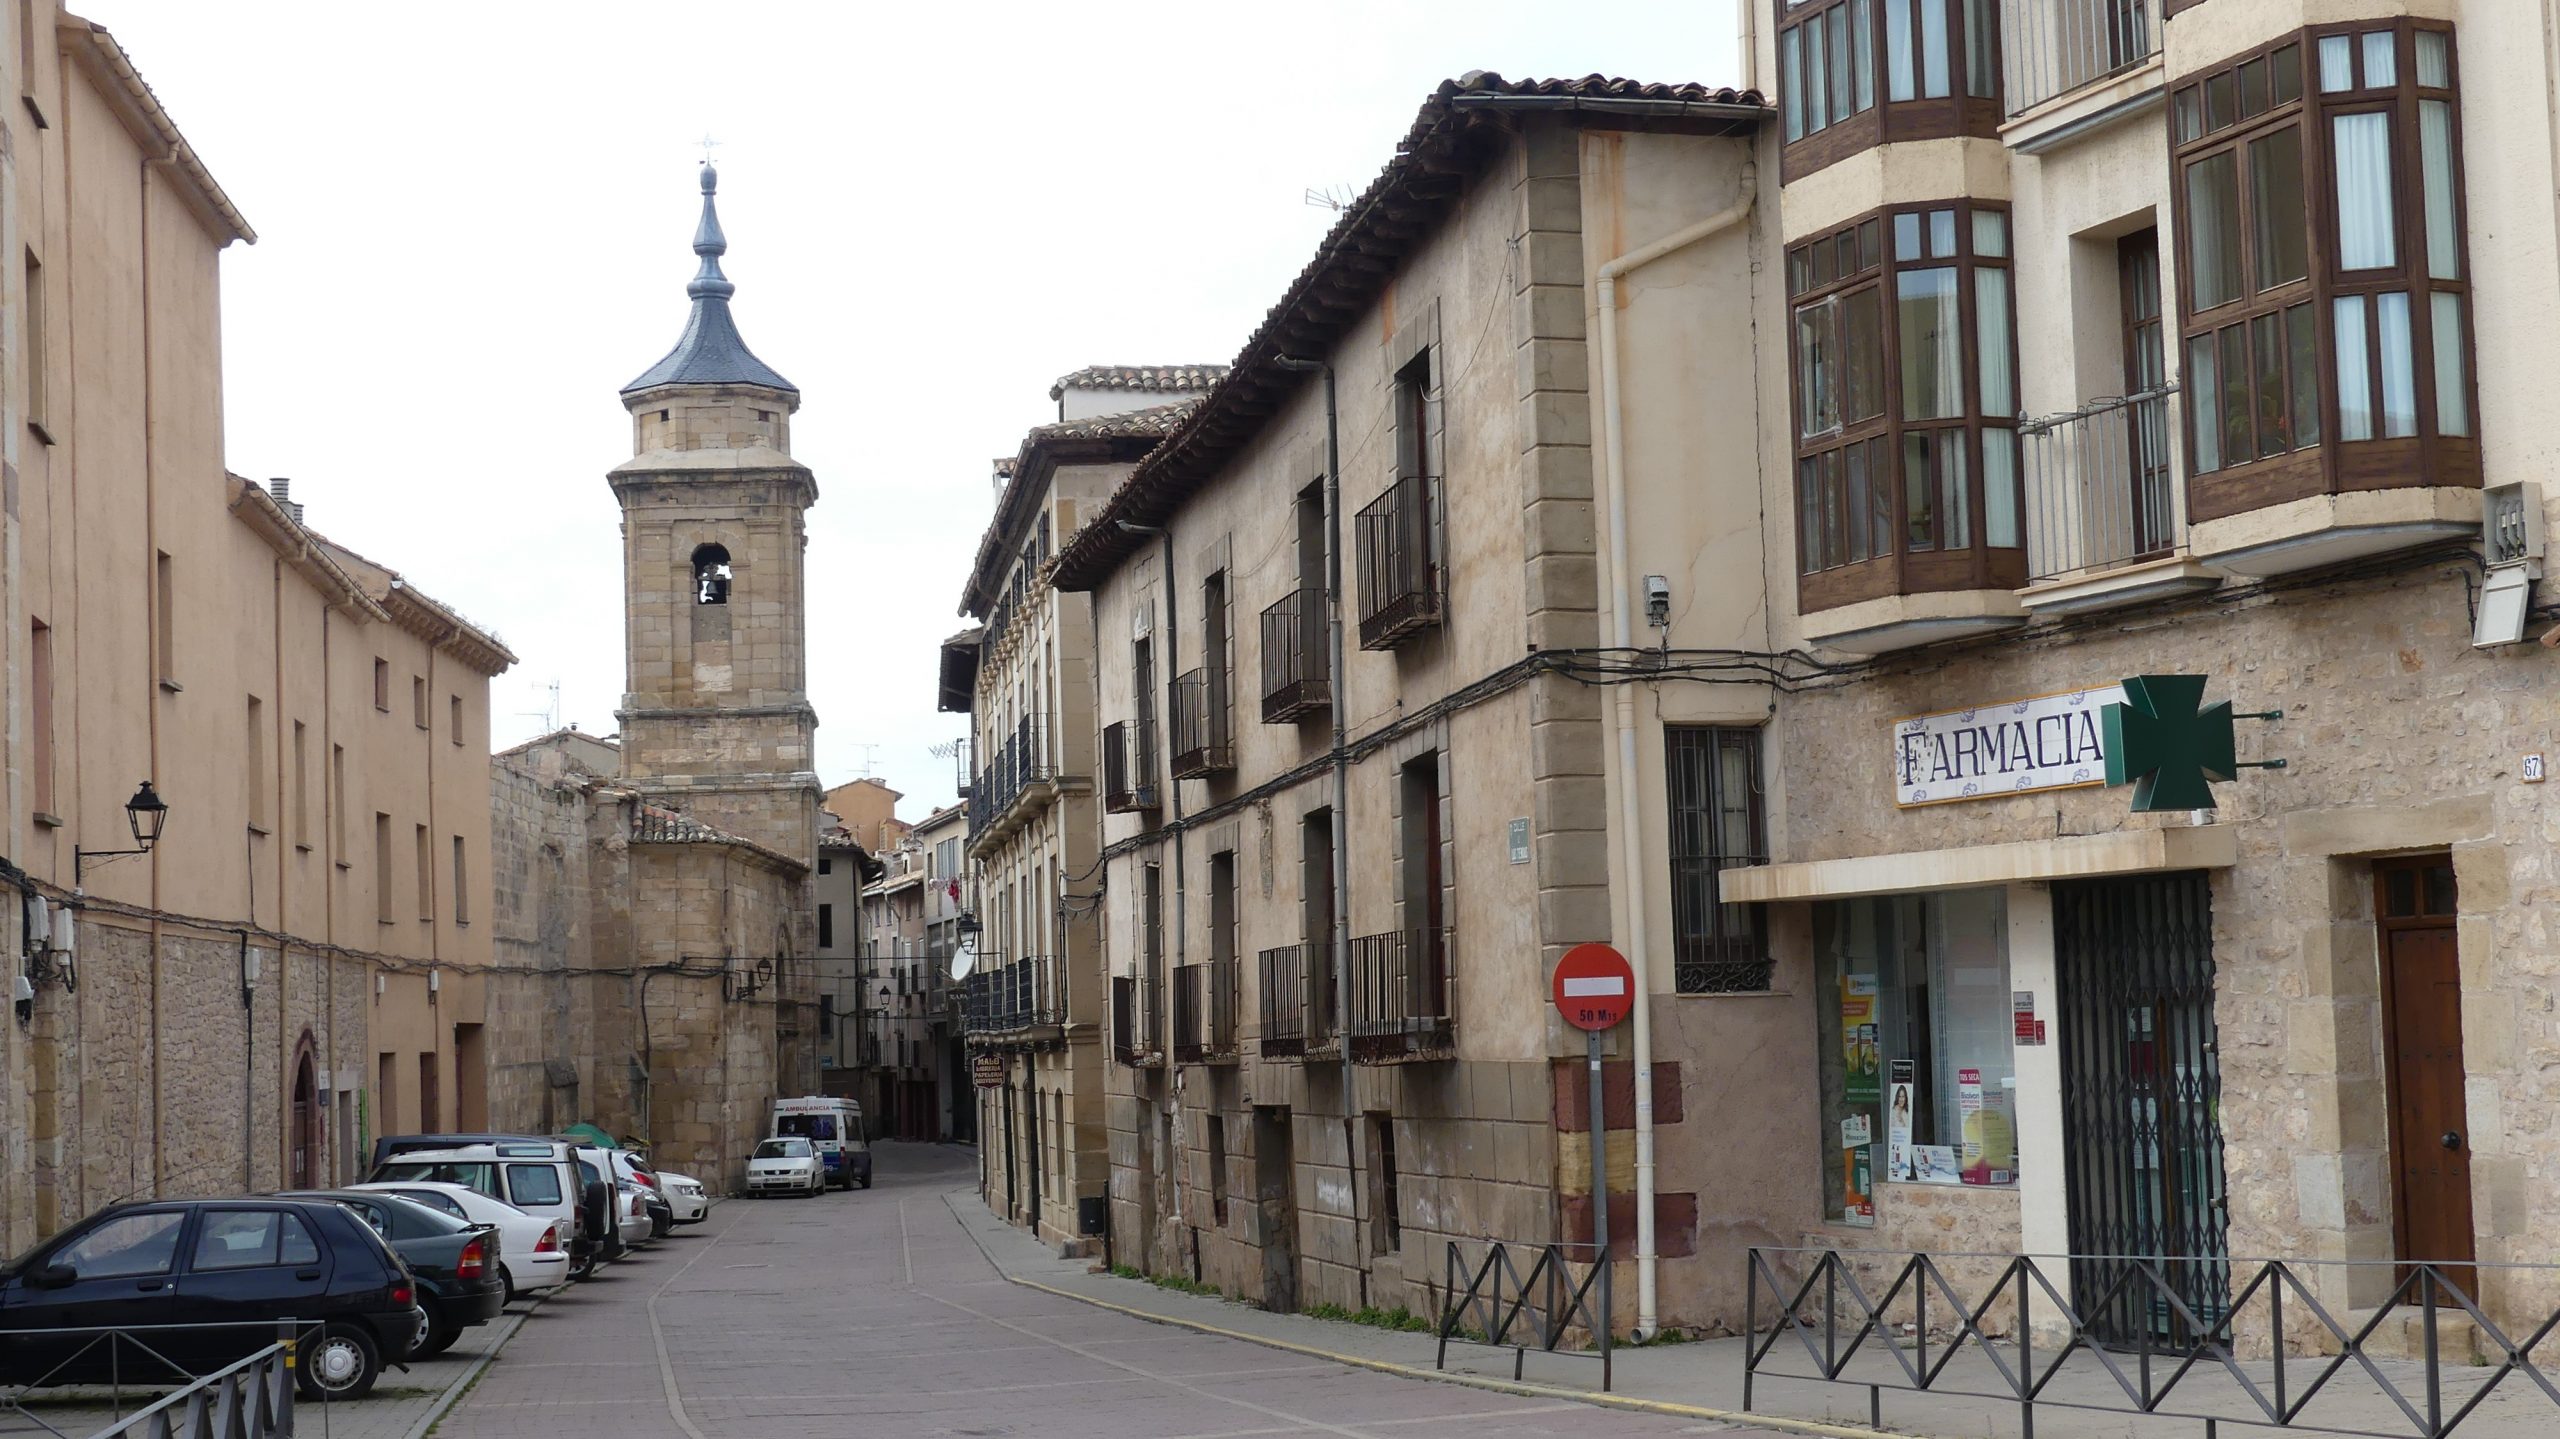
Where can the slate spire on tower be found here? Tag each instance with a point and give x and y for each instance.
(710, 351)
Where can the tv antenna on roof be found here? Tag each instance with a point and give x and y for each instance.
(549, 714)
(1336, 198)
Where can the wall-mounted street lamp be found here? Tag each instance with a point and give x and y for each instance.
(145, 813)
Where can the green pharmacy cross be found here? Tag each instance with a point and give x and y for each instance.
(2168, 744)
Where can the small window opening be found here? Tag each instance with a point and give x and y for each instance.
(662, 417)
(710, 574)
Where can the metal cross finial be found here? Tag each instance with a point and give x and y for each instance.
(708, 145)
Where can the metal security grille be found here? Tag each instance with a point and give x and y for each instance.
(1716, 824)
(2142, 1106)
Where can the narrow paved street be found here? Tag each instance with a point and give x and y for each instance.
(874, 1314)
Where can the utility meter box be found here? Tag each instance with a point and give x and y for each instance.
(2511, 525)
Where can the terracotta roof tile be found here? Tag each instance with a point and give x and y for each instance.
(1157, 378)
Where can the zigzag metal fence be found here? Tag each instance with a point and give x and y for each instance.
(1496, 1305)
(248, 1398)
(251, 1399)
(1887, 1302)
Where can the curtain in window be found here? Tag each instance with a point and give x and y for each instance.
(2399, 360)
(2204, 407)
(2355, 382)
(2361, 145)
(2000, 489)
(1862, 65)
(1862, 336)
(1817, 370)
(1932, 343)
(1991, 338)
(1900, 74)
(2435, 165)
(2275, 206)
(1817, 101)
(1933, 48)
(2453, 390)
(2213, 229)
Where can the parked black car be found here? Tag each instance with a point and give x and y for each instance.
(234, 1266)
(460, 1281)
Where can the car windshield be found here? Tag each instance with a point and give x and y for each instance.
(784, 1149)
(810, 1126)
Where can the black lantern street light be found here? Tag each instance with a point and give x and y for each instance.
(145, 814)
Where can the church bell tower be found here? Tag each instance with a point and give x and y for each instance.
(715, 716)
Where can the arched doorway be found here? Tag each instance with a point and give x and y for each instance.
(306, 1118)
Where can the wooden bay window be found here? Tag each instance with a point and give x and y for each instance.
(2325, 294)
(1906, 402)
(1854, 74)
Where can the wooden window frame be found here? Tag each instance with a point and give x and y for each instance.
(1901, 569)
(1885, 120)
(2333, 464)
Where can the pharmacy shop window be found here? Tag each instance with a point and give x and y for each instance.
(1918, 1085)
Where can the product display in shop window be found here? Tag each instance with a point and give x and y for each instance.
(1919, 1085)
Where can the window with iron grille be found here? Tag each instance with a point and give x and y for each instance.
(1716, 824)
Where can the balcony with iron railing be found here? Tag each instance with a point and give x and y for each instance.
(1400, 579)
(1402, 997)
(1019, 777)
(1204, 1012)
(2106, 513)
(1128, 767)
(1297, 1000)
(1137, 1021)
(1296, 658)
(2054, 48)
(1203, 743)
(1014, 1003)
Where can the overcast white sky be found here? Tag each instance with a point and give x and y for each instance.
(474, 222)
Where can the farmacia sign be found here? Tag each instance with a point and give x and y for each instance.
(2012, 747)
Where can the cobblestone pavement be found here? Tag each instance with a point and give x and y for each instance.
(873, 1313)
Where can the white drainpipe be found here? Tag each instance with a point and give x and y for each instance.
(1621, 603)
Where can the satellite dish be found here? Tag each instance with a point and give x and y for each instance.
(967, 959)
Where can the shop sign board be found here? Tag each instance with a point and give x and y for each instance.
(988, 1070)
(2019, 746)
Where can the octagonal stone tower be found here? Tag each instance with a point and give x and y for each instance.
(715, 715)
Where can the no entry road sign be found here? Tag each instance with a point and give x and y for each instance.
(1595, 987)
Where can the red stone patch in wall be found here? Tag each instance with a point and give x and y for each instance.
(1617, 1094)
(1675, 1223)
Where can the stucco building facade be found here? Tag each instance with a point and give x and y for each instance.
(301, 960)
(1037, 988)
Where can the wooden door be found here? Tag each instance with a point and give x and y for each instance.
(1275, 1194)
(2422, 1023)
(2146, 372)
(306, 1121)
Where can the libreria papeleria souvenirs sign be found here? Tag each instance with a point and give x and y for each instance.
(2020, 746)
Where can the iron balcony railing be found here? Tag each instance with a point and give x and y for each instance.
(2054, 47)
(1128, 767)
(1203, 741)
(1003, 1000)
(1295, 658)
(2100, 488)
(1400, 589)
(1016, 762)
(1204, 1012)
(1297, 1000)
(1401, 1000)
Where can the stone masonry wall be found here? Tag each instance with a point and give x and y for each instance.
(2399, 738)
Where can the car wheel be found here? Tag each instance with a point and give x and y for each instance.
(338, 1361)
(440, 1335)
(659, 1225)
(510, 1281)
(583, 1267)
(423, 1332)
(866, 1181)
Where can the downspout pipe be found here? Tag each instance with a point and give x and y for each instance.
(1622, 603)
(1337, 691)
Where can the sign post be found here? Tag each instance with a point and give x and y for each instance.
(1595, 988)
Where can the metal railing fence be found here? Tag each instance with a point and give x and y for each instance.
(1401, 1000)
(1494, 1303)
(1894, 1320)
(1296, 658)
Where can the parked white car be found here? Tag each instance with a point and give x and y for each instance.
(786, 1166)
(533, 1250)
(637, 1228)
(685, 1194)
